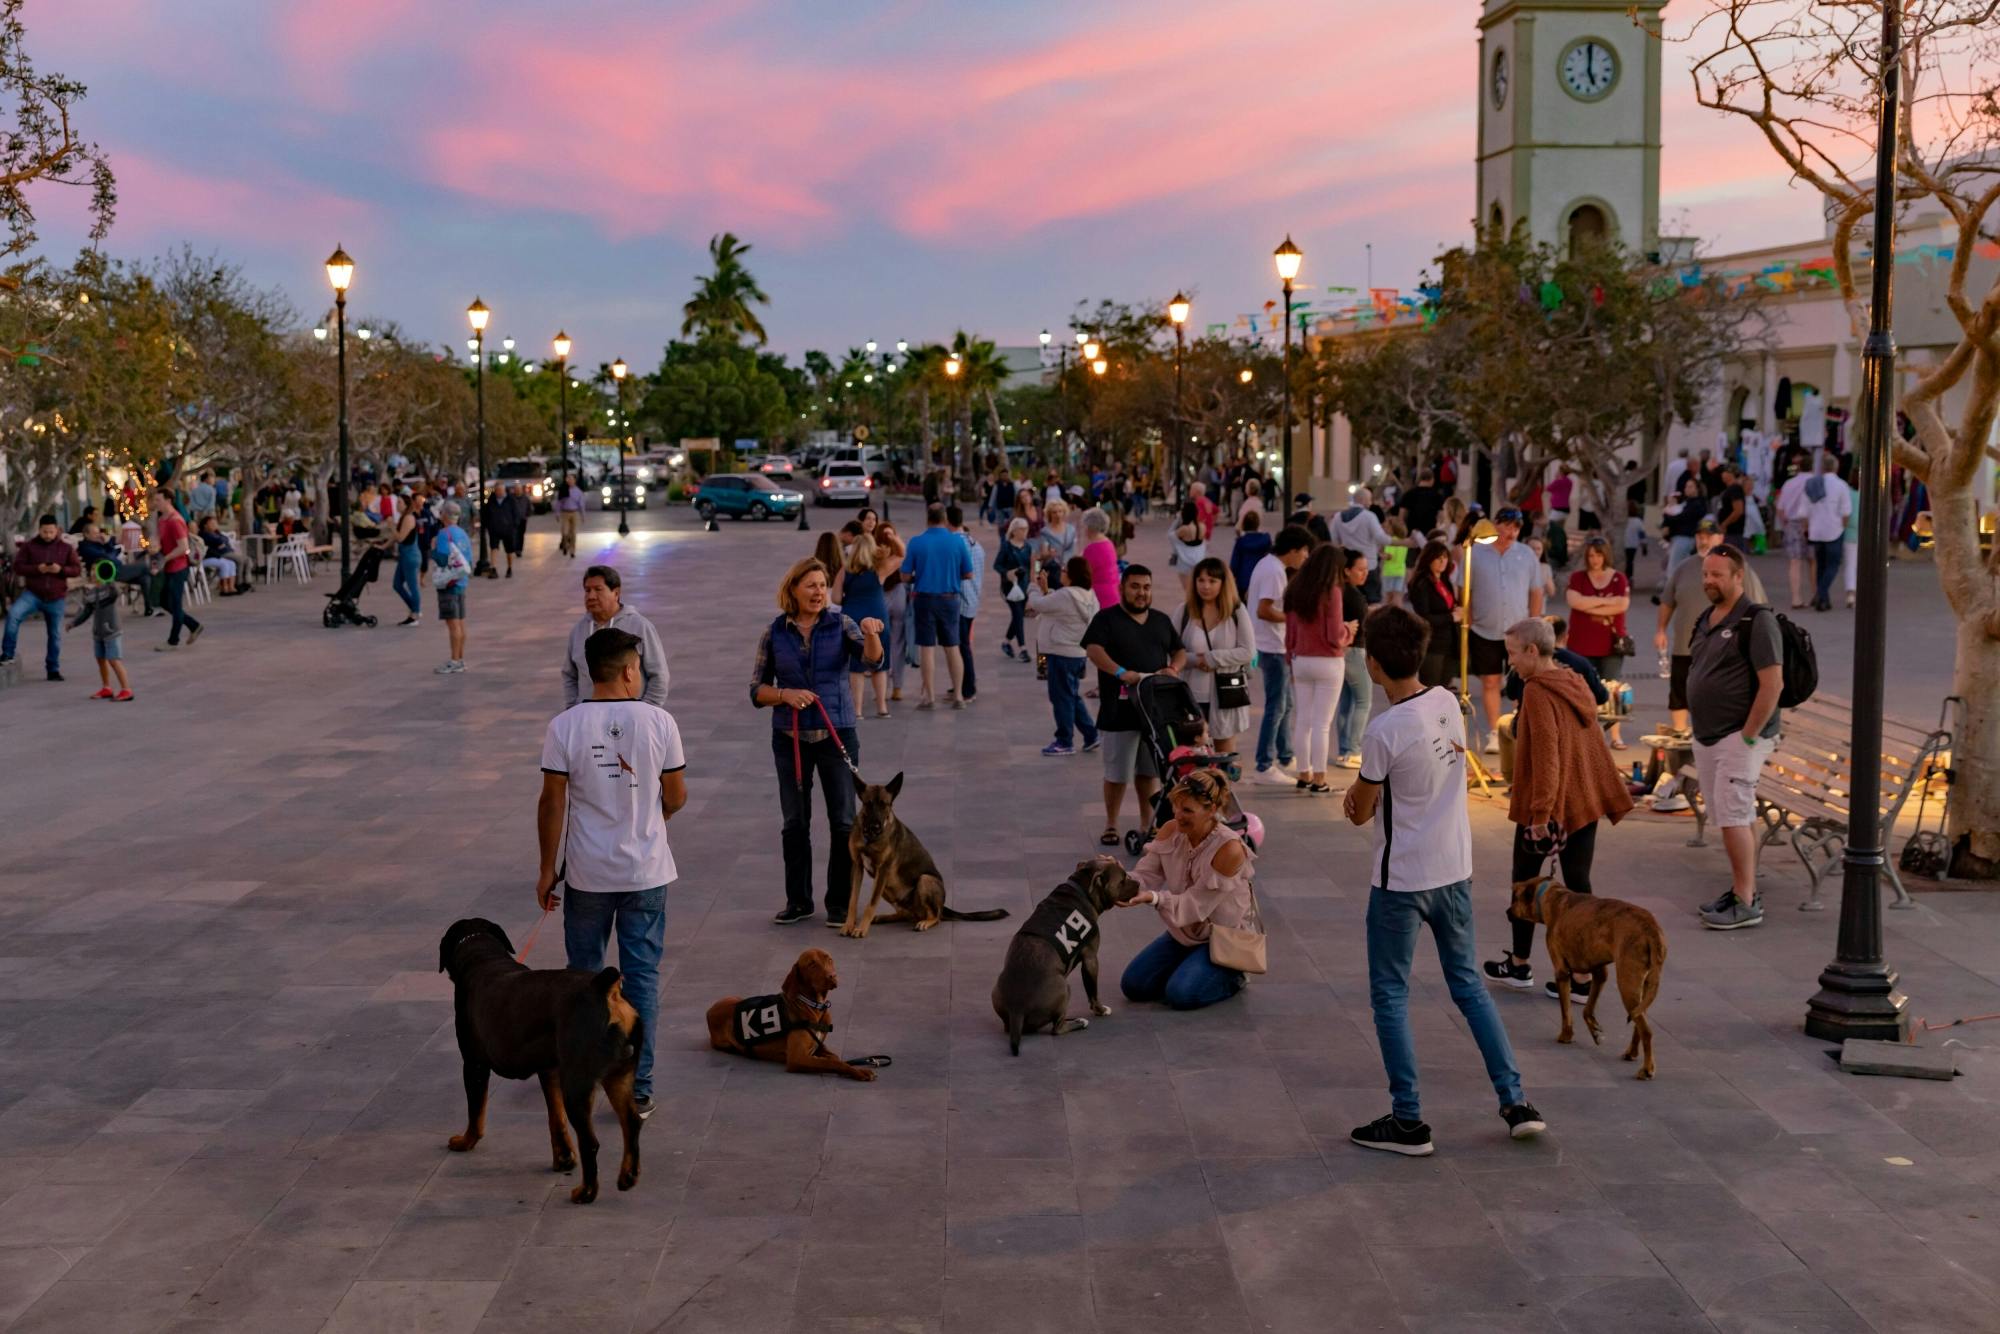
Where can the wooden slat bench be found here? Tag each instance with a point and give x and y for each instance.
(1804, 797)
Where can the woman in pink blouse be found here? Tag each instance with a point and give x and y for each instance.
(1197, 870)
(1102, 553)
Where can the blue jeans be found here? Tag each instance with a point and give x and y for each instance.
(640, 918)
(1181, 975)
(1826, 557)
(51, 611)
(1274, 734)
(408, 559)
(174, 599)
(1357, 701)
(1066, 700)
(795, 804)
(1393, 919)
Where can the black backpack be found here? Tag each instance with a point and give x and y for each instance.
(1801, 665)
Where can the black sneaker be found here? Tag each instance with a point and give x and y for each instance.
(1523, 1121)
(1410, 1138)
(835, 921)
(1519, 976)
(1578, 991)
(54, 675)
(792, 915)
(644, 1105)
(1718, 904)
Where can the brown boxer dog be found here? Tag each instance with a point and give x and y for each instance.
(1587, 934)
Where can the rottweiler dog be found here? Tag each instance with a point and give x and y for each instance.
(1032, 991)
(1586, 934)
(884, 847)
(790, 1026)
(567, 1027)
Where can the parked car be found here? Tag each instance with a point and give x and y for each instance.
(745, 493)
(621, 493)
(874, 462)
(655, 466)
(775, 463)
(843, 482)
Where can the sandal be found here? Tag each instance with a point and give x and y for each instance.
(1619, 745)
(1109, 838)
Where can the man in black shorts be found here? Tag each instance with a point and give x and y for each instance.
(1128, 643)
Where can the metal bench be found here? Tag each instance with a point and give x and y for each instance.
(1804, 796)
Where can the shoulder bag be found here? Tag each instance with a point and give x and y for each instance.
(1232, 684)
(1240, 947)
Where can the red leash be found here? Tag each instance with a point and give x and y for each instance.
(533, 931)
(798, 760)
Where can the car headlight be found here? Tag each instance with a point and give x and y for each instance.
(605, 492)
(640, 492)
(535, 491)
(677, 460)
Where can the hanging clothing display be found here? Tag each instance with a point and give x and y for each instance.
(1782, 407)
(1812, 420)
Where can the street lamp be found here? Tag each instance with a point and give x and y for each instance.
(1245, 376)
(1484, 533)
(1857, 995)
(1091, 347)
(618, 371)
(1288, 257)
(1100, 366)
(340, 272)
(561, 346)
(476, 315)
(1177, 311)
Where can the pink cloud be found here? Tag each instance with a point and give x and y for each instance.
(158, 199)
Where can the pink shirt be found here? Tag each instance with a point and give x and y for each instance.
(1102, 557)
(1323, 636)
(1190, 891)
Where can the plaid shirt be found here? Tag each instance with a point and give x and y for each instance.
(764, 670)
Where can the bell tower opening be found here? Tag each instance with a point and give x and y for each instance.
(1588, 229)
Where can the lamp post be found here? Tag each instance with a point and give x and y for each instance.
(477, 314)
(1288, 257)
(1177, 311)
(340, 272)
(952, 366)
(618, 373)
(1857, 995)
(1485, 534)
(561, 346)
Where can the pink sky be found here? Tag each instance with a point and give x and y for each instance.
(900, 163)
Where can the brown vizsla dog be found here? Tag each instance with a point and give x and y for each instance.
(790, 1026)
(1586, 934)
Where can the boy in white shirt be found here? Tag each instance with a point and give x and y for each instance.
(1413, 777)
(613, 774)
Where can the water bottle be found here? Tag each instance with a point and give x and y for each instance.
(1638, 771)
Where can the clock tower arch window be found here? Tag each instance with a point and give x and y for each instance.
(1588, 227)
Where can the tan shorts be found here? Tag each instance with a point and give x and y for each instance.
(1729, 771)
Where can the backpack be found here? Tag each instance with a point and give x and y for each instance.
(1801, 663)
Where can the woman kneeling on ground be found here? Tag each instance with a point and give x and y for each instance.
(1195, 872)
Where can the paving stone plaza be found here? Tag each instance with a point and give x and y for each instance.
(228, 1069)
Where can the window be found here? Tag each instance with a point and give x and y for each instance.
(1497, 221)
(1588, 228)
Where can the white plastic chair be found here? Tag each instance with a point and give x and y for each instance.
(199, 591)
(289, 556)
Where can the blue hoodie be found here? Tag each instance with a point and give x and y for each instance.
(1243, 557)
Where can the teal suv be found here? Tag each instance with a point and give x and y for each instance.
(745, 494)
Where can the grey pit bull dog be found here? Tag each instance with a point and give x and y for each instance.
(1032, 992)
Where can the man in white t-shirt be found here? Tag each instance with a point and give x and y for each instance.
(613, 774)
(1266, 596)
(1412, 784)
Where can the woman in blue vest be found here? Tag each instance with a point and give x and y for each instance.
(801, 676)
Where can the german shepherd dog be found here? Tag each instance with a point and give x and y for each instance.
(883, 846)
(569, 1028)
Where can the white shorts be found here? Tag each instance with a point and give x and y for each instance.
(1729, 771)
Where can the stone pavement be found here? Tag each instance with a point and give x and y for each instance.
(227, 1068)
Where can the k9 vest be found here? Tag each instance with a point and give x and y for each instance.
(1066, 920)
(761, 1018)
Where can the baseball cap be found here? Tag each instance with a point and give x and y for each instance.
(1707, 525)
(1302, 499)
(1507, 514)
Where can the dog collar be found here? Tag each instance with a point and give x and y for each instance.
(817, 1006)
(1540, 890)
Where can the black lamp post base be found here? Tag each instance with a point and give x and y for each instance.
(624, 529)
(484, 569)
(803, 526)
(1858, 1001)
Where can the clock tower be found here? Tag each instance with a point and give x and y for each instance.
(1569, 120)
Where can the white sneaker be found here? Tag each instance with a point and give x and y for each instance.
(450, 668)
(1492, 743)
(1350, 761)
(1275, 776)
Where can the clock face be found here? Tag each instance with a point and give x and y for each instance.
(1499, 79)
(1589, 68)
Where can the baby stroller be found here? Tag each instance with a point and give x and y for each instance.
(343, 605)
(1176, 736)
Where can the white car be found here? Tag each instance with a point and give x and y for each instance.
(840, 483)
(771, 463)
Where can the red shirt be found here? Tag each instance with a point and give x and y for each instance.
(1206, 510)
(1589, 635)
(173, 536)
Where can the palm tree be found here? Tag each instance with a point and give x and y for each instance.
(722, 301)
(924, 371)
(980, 373)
